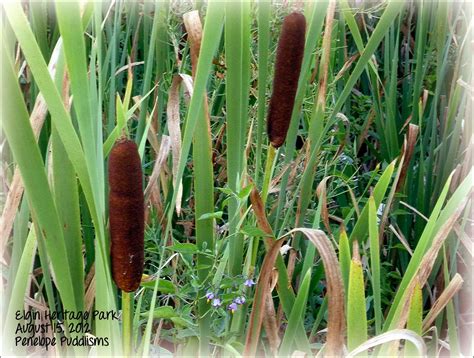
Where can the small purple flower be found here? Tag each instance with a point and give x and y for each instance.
(240, 300)
(216, 302)
(249, 282)
(232, 307)
(210, 296)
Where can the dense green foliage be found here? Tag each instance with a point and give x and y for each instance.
(379, 147)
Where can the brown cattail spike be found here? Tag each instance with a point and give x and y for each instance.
(287, 71)
(127, 215)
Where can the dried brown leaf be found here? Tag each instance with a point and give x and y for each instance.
(262, 221)
(321, 192)
(162, 155)
(393, 335)
(407, 152)
(325, 57)
(270, 321)
(193, 25)
(448, 293)
(258, 307)
(174, 129)
(335, 290)
(426, 265)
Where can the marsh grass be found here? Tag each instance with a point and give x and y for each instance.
(382, 104)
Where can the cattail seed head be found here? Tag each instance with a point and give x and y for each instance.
(126, 215)
(287, 71)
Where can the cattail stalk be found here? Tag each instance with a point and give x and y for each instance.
(285, 84)
(126, 213)
(127, 322)
(127, 223)
(287, 72)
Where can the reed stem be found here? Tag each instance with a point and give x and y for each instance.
(127, 314)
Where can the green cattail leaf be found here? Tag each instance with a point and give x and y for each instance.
(296, 315)
(344, 257)
(234, 32)
(415, 318)
(20, 284)
(415, 315)
(361, 227)
(437, 218)
(375, 264)
(356, 313)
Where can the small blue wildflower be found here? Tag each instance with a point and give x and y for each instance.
(232, 307)
(238, 301)
(249, 282)
(216, 302)
(210, 296)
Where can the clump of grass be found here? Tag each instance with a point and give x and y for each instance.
(287, 72)
(127, 215)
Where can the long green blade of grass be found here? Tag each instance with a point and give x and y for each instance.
(356, 312)
(375, 264)
(23, 145)
(437, 218)
(391, 12)
(415, 318)
(264, 9)
(296, 315)
(344, 257)
(362, 225)
(18, 291)
(234, 100)
(149, 68)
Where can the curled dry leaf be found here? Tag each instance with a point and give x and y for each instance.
(270, 322)
(448, 293)
(174, 129)
(346, 67)
(321, 192)
(261, 292)
(335, 290)
(262, 221)
(407, 152)
(426, 266)
(393, 335)
(193, 25)
(162, 155)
